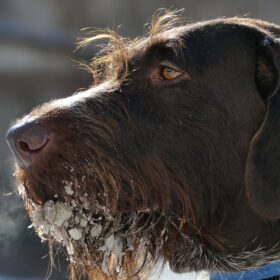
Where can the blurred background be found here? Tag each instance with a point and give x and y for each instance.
(37, 40)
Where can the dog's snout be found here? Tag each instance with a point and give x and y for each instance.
(26, 141)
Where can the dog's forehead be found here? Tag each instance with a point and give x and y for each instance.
(190, 34)
(199, 35)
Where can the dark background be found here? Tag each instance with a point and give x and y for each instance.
(37, 39)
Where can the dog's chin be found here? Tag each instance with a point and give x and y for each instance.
(98, 241)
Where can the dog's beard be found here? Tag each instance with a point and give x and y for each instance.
(119, 245)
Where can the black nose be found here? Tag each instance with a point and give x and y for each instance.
(26, 141)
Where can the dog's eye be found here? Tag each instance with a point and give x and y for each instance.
(167, 73)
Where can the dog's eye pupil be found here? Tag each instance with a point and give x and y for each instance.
(168, 73)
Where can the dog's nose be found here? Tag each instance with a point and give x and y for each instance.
(26, 141)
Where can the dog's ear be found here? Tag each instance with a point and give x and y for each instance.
(263, 164)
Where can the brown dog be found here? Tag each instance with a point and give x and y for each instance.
(172, 155)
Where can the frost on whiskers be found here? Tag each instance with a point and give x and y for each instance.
(91, 236)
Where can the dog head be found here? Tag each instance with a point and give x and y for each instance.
(172, 154)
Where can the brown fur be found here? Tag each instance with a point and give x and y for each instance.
(140, 190)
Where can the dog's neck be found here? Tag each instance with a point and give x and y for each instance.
(197, 257)
(264, 272)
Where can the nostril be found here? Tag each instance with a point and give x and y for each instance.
(33, 143)
(26, 147)
(26, 140)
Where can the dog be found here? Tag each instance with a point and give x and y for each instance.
(171, 155)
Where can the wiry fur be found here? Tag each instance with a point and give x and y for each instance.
(178, 207)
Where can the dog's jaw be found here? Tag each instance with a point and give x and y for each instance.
(92, 237)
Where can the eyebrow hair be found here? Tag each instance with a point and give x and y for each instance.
(111, 63)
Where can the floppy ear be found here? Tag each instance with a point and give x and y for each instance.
(263, 164)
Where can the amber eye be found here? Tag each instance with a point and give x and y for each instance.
(168, 73)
